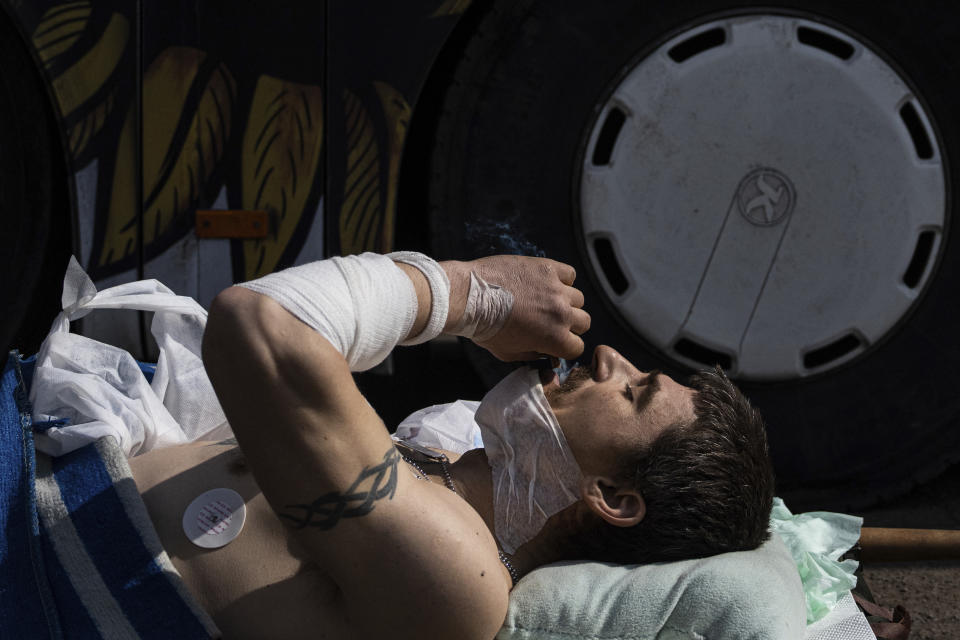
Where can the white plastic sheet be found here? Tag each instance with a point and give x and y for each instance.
(100, 390)
(450, 427)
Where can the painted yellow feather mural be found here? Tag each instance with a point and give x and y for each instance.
(451, 8)
(396, 110)
(361, 215)
(60, 28)
(281, 158)
(85, 82)
(368, 213)
(186, 125)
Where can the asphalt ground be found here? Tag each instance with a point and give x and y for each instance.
(930, 590)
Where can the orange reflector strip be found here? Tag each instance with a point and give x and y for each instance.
(231, 223)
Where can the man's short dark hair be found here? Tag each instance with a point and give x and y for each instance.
(708, 484)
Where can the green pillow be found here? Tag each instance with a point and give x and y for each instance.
(746, 594)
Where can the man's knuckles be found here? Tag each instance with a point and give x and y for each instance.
(562, 312)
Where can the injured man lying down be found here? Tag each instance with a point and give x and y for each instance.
(351, 534)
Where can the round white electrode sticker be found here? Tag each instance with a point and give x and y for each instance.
(214, 518)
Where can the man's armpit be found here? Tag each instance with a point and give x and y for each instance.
(372, 484)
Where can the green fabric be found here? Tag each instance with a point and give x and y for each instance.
(743, 595)
(816, 541)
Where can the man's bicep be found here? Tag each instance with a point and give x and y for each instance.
(307, 432)
(328, 467)
(261, 358)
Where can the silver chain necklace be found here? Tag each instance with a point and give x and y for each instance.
(443, 461)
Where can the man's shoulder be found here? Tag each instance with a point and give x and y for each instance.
(439, 551)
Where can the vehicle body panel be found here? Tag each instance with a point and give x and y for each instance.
(299, 109)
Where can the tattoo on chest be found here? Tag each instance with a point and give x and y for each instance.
(373, 484)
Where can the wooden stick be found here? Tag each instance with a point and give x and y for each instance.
(879, 544)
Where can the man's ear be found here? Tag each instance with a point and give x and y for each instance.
(618, 505)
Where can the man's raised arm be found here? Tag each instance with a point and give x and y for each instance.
(325, 462)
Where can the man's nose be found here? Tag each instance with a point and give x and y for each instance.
(606, 362)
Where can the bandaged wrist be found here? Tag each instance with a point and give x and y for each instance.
(439, 293)
(488, 307)
(363, 305)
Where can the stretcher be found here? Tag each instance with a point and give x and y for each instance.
(24, 559)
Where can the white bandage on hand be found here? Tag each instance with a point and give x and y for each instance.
(363, 305)
(487, 310)
(439, 292)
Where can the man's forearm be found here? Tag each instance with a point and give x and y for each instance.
(424, 298)
(458, 274)
(366, 305)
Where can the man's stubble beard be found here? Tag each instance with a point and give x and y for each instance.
(574, 381)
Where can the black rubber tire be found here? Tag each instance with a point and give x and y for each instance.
(506, 151)
(36, 238)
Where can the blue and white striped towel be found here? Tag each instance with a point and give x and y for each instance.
(79, 557)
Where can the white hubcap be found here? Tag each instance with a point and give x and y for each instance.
(764, 192)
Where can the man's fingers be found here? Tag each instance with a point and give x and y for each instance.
(571, 348)
(575, 297)
(580, 322)
(566, 273)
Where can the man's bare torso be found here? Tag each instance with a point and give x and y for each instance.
(260, 584)
(409, 559)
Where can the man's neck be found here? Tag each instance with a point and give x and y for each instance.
(472, 477)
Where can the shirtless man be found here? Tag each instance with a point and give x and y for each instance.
(363, 547)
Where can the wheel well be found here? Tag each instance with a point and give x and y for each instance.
(54, 238)
(415, 169)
